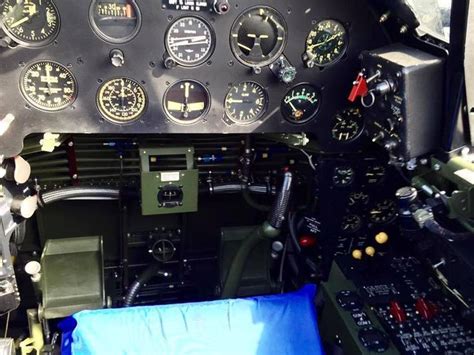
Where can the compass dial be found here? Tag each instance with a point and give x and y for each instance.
(246, 102)
(121, 100)
(32, 23)
(48, 86)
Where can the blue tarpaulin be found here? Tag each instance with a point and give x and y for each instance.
(268, 325)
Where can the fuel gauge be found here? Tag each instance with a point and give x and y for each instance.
(301, 104)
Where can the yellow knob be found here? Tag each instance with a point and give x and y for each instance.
(381, 238)
(357, 254)
(370, 251)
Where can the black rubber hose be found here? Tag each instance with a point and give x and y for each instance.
(146, 276)
(435, 228)
(280, 208)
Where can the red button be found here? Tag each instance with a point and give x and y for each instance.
(397, 311)
(426, 309)
(307, 241)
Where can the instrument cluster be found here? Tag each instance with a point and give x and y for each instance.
(180, 66)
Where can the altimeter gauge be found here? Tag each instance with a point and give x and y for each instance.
(326, 44)
(258, 36)
(48, 86)
(32, 23)
(121, 100)
(246, 103)
(190, 41)
(186, 102)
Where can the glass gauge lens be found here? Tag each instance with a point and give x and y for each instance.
(190, 41)
(246, 102)
(301, 104)
(48, 86)
(348, 125)
(375, 174)
(358, 199)
(351, 223)
(31, 23)
(121, 100)
(343, 176)
(186, 102)
(115, 21)
(258, 36)
(326, 43)
(384, 212)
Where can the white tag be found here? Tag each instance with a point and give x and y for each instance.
(466, 174)
(171, 176)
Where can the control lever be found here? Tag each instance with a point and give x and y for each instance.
(270, 229)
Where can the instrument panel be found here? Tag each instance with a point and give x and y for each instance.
(172, 66)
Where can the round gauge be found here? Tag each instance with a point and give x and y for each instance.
(190, 41)
(384, 212)
(48, 86)
(121, 100)
(351, 223)
(301, 104)
(115, 21)
(186, 102)
(348, 125)
(326, 43)
(375, 174)
(258, 36)
(246, 102)
(358, 199)
(343, 176)
(32, 23)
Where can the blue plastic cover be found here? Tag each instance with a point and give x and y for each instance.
(268, 325)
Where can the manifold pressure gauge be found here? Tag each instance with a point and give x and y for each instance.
(258, 36)
(32, 23)
(326, 44)
(246, 103)
(48, 86)
(121, 100)
(186, 102)
(190, 41)
(301, 104)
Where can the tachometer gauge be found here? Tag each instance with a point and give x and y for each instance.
(384, 212)
(343, 176)
(48, 86)
(190, 41)
(351, 223)
(326, 44)
(121, 100)
(246, 102)
(32, 23)
(186, 102)
(348, 125)
(258, 36)
(301, 104)
(115, 21)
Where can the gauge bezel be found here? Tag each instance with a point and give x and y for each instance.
(211, 49)
(111, 119)
(30, 44)
(235, 48)
(196, 120)
(101, 35)
(377, 205)
(258, 117)
(359, 132)
(36, 105)
(344, 50)
(313, 116)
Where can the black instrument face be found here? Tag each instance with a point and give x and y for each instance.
(343, 176)
(32, 23)
(190, 41)
(375, 174)
(246, 102)
(258, 36)
(115, 21)
(186, 102)
(301, 104)
(351, 223)
(121, 100)
(326, 43)
(384, 212)
(348, 125)
(48, 86)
